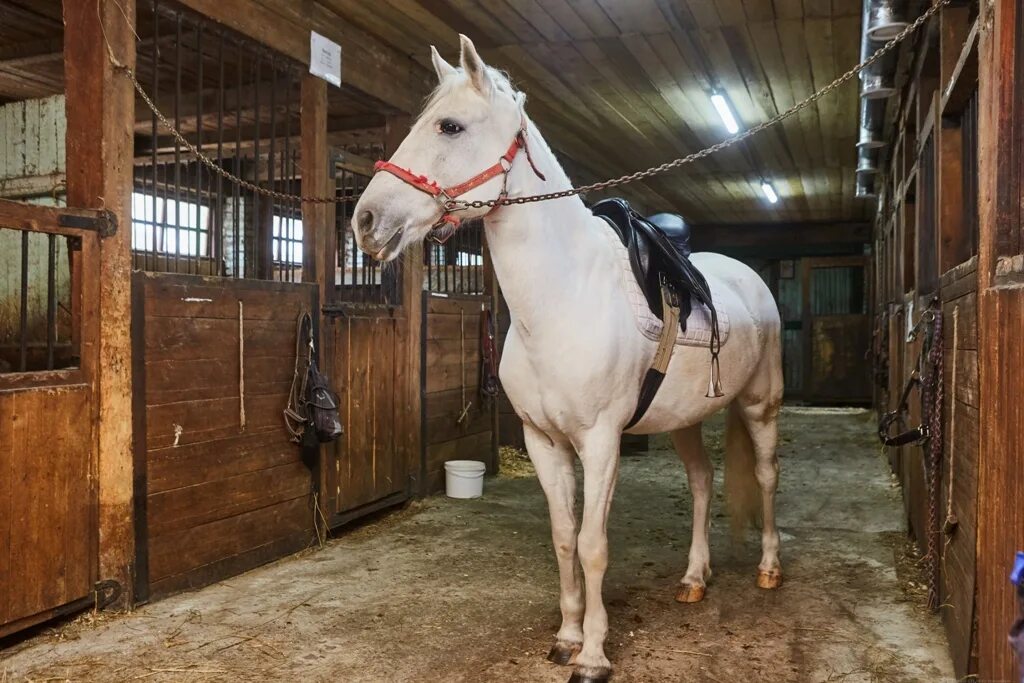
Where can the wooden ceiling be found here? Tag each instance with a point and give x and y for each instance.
(619, 85)
(615, 85)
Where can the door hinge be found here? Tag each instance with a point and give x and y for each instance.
(104, 222)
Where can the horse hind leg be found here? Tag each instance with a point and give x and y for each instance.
(754, 427)
(700, 473)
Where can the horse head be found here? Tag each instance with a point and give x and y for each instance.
(472, 118)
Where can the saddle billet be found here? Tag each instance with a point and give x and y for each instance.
(659, 258)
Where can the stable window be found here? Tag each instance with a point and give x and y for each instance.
(287, 236)
(169, 226)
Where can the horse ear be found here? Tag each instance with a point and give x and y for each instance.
(474, 66)
(442, 67)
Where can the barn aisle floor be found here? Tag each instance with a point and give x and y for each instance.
(467, 591)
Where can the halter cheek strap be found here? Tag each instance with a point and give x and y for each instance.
(446, 196)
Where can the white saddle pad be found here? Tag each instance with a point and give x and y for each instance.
(698, 325)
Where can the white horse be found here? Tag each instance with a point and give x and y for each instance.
(574, 357)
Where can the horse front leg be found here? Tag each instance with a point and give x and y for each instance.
(553, 462)
(599, 453)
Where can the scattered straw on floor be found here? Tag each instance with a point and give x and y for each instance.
(514, 463)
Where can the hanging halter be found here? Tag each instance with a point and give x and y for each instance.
(447, 196)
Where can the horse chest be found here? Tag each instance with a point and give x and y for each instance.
(563, 385)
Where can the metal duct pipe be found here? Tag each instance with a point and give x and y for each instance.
(872, 118)
(867, 161)
(866, 186)
(878, 81)
(885, 19)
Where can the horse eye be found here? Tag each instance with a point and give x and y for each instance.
(450, 127)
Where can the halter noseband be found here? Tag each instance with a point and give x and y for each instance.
(446, 196)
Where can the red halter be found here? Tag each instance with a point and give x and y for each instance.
(446, 196)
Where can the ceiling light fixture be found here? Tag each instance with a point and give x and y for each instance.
(769, 192)
(725, 111)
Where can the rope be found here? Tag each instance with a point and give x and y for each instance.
(241, 365)
(604, 185)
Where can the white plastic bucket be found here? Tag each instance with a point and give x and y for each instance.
(464, 478)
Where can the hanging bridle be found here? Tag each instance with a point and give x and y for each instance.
(447, 196)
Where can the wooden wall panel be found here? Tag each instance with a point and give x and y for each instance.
(451, 386)
(221, 496)
(46, 500)
(1000, 476)
(959, 495)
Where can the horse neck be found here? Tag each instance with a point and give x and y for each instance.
(541, 250)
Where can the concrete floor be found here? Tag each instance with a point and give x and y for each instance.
(467, 591)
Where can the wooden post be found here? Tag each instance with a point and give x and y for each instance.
(318, 233)
(395, 129)
(100, 116)
(317, 219)
(1000, 526)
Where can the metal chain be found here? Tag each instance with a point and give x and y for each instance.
(604, 185)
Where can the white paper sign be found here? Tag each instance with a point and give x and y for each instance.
(324, 58)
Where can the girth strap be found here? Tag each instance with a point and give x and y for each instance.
(656, 373)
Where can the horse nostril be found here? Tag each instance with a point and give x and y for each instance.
(364, 221)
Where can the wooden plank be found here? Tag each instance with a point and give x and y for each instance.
(474, 447)
(183, 339)
(46, 544)
(370, 66)
(191, 296)
(192, 506)
(206, 574)
(185, 551)
(174, 467)
(100, 111)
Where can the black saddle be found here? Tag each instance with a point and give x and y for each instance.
(659, 251)
(659, 256)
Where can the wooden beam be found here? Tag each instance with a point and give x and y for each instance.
(318, 232)
(100, 111)
(368, 64)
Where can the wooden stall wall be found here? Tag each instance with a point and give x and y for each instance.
(220, 487)
(959, 500)
(1000, 329)
(458, 422)
(925, 254)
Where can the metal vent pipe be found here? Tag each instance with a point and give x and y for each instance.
(866, 186)
(867, 161)
(872, 118)
(885, 19)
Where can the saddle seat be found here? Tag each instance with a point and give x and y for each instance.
(659, 251)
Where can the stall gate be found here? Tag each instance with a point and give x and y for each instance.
(366, 343)
(48, 459)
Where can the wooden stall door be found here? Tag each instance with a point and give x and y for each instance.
(371, 463)
(48, 495)
(836, 330)
(366, 337)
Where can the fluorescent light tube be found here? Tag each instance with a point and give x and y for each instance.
(724, 111)
(769, 192)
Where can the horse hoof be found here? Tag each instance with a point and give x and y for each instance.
(564, 654)
(690, 592)
(591, 675)
(769, 580)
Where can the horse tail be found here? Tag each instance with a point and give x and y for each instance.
(742, 491)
